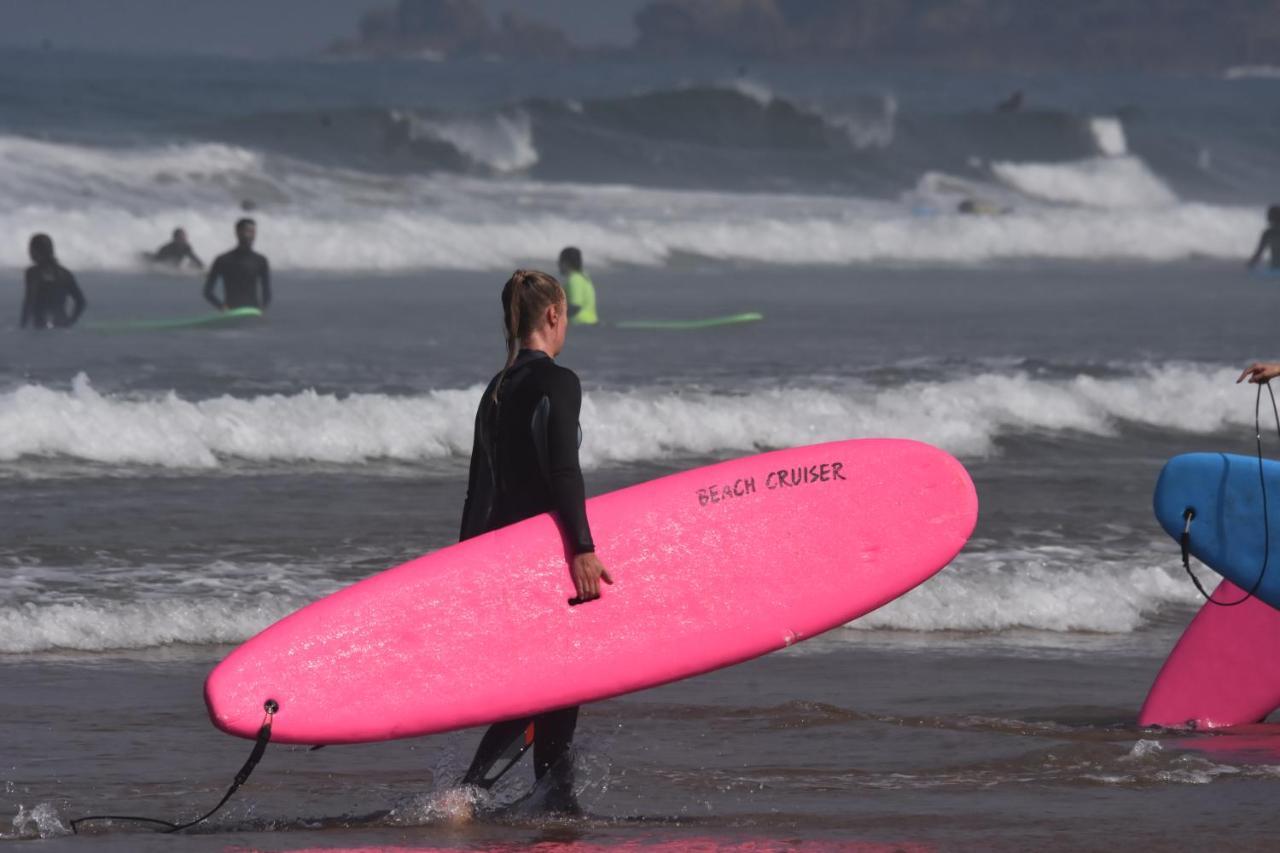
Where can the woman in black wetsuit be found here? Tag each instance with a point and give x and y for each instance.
(524, 462)
(48, 287)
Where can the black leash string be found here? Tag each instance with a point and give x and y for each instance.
(259, 747)
(1189, 515)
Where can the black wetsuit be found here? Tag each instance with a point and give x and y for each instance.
(1270, 239)
(524, 462)
(241, 271)
(174, 253)
(44, 306)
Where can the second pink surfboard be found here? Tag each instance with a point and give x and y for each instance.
(1225, 669)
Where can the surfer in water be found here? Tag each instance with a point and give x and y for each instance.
(176, 251)
(242, 272)
(580, 290)
(48, 287)
(1270, 239)
(524, 462)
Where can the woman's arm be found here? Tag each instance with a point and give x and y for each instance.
(568, 491)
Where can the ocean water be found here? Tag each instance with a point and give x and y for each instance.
(168, 494)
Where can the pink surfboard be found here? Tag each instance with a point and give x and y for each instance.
(1224, 671)
(712, 567)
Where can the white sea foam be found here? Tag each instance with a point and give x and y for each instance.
(1058, 589)
(1115, 182)
(106, 607)
(1050, 589)
(1253, 72)
(32, 170)
(872, 125)
(171, 432)
(964, 415)
(1108, 134)
(753, 89)
(503, 141)
(103, 626)
(41, 821)
(869, 122)
(103, 205)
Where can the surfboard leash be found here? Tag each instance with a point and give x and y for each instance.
(1189, 514)
(259, 748)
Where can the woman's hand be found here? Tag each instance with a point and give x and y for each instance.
(587, 572)
(1260, 373)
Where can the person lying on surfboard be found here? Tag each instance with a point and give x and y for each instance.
(1270, 239)
(176, 252)
(524, 462)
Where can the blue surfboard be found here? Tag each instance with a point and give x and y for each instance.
(1228, 533)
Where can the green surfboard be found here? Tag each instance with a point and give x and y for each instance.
(230, 317)
(684, 325)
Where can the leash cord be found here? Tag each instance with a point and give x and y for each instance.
(1189, 515)
(259, 747)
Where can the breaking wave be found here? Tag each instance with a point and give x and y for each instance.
(1049, 589)
(501, 141)
(103, 207)
(966, 416)
(1108, 182)
(1052, 588)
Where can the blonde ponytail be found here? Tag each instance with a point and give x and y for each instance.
(525, 296)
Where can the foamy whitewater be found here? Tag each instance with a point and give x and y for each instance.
(124, 199)
(359, 190)
(1100, 587)
(1053, 589)
(965, 416)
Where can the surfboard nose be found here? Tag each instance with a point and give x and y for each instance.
(231, 710)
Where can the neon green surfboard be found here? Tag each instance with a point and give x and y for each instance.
(230, 317)
(684, 325)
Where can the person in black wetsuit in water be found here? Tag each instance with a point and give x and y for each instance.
(1270, 240)
(524, 462)
(176, 251)
(242, 271)
(48, 287)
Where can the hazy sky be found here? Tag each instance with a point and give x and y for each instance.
(256, 27)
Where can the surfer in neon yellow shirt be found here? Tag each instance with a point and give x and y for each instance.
(578, 288)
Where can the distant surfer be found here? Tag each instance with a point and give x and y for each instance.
(978, 207)
(1270, 239)
(177, 251)
(245, 274)
(524, 462)
(579, 289)
(1011, 104)
(48, 287)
